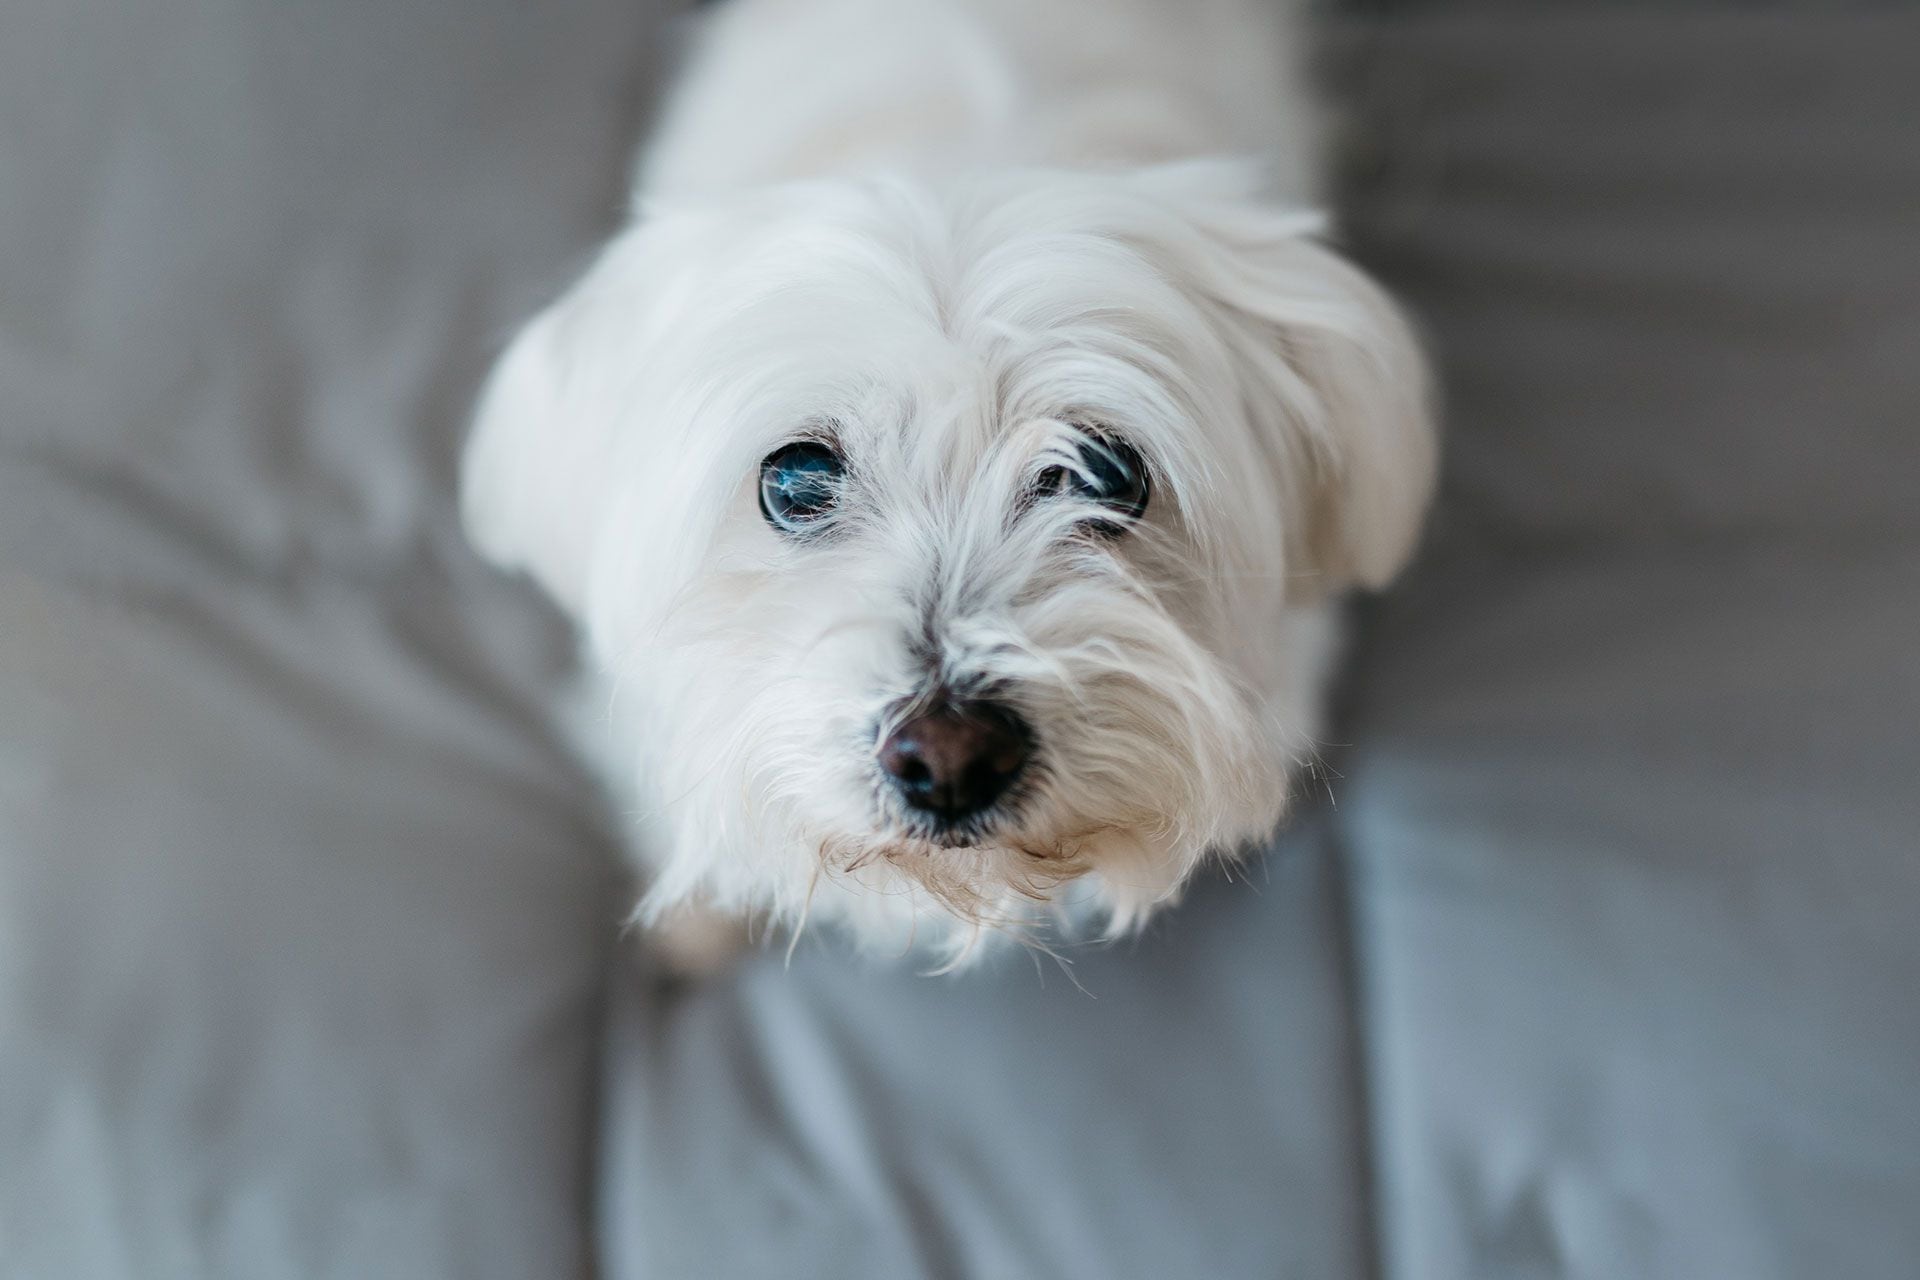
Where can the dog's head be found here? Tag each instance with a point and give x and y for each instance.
(951, 543)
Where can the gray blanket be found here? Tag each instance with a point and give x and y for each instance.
(1601, 961)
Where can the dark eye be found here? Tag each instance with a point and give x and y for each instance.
(1111, 473)
(799, 484)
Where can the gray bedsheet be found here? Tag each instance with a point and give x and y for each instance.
(1603, 963)
(1632, 811)
(303, 914)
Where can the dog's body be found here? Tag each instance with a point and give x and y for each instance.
(802, 89)
(952, 466)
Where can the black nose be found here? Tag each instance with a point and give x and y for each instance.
(955, 759)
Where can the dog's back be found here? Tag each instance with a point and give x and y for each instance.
(783, 89)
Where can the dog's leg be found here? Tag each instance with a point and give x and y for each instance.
(698, 942)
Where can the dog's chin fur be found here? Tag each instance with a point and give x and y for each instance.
(952, 329)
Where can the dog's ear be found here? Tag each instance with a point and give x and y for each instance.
(536, 478)
(1368, 417)
(1333, 376)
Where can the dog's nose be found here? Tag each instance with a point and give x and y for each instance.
(954, 760)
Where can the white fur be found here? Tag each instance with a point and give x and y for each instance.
(950, 232)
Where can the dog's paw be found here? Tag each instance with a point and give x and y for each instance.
(695, 942)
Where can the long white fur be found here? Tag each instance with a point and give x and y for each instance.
(949, 234)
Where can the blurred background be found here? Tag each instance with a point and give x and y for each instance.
(1602, 962)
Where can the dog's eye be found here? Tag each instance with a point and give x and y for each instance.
(799, 484)
(1111, 473)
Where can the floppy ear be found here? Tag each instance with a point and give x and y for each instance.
(537, 475)
(518, 477)
(1335, 380)
(1370, 419)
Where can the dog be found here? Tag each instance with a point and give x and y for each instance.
(955, 464)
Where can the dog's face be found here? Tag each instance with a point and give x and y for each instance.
(948, 547)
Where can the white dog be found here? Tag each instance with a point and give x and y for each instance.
(952, 465)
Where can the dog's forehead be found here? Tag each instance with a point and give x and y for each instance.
(958, 270)
(946, 342)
